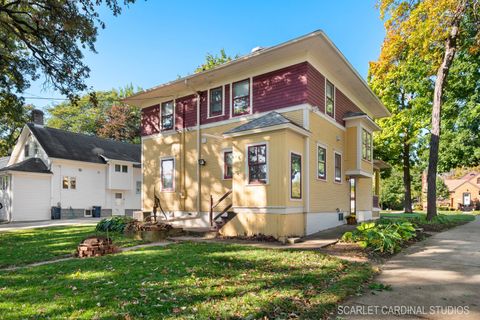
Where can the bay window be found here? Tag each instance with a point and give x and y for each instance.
(257, 164)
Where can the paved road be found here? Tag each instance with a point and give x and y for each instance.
(442, 271)
(47, 223)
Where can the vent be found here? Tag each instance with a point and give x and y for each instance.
(87, 213)
(256, 49)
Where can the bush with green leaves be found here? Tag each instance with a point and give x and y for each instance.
(114, 224)
(383, 236)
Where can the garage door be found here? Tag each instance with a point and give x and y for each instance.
(31, 197)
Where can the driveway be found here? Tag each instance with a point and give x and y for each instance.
(48, 223)
(435, 279)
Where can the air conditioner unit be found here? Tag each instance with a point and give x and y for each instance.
(87, 213)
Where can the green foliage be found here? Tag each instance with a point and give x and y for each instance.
(379, 287)
(211, 61)
(114, 224)
(44, 38)
(382, 236)
(442, 190)
(99, 114)
(392, 191)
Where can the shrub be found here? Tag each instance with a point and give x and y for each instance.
(383, 236)
(115, 224)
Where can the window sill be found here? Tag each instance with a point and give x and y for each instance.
(321, 179)
(257, 184)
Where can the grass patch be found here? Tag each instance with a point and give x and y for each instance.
(26, 246)
(442, 222)
(184, 281)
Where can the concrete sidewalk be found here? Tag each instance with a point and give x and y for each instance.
(48, 223)
(440, 277)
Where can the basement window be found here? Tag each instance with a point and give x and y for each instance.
(167, 115)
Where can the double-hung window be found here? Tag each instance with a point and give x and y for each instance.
(69, 183)
(26, 150)
(216, 102)
(241, 97)
(166, 114)
(227, 165)
(338, 167)
(366, 145)
(167, 174)
(257, 164)
(322, 163)
(295, 176)
(329, 99)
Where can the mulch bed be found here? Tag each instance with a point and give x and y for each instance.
(257, 237)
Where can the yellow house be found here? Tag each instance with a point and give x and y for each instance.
(282, 136)
(464, 192)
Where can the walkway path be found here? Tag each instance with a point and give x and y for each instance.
(442, 271)
(48, 223)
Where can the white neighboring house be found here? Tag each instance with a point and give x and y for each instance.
(75, 172)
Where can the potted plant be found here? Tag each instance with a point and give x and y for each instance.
(351, 219)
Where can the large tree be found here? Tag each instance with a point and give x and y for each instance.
(45, 38)
(433, 31)
(211, 61)
(99, 113)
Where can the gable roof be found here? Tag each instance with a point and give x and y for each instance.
(317, 43)
(269, 120)
(30, 165)
(63, 144)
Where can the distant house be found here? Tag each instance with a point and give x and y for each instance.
(464, 191)
(283, 136)
(56, 168)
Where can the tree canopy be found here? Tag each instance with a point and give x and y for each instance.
(211, 61)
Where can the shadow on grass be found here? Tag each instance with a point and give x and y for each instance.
(190, 280)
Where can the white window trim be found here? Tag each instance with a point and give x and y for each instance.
(174, 175)
(319, 144)
(290, 178)
(174, 117)
(251, 97)
(223, 161)
(334, 99)
(247, 171)
(223, 102)
(141, 186)
(341, 167)
(361, 144)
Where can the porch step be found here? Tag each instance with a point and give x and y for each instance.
(207, 233)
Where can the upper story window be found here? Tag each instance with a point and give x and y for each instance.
(227, 165)
(216, 102)
(322, 163)
(329, 99)
(166, 114)
(26, 151)
(366, 145)
(241, 97)
(124, 169)
(167, 174)
(118, 168)
(338, 167)
(257, 164)
(121, 168)
(69, 183)
(35, 149)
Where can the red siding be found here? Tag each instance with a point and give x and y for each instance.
(290, 86)
(342, 106)
(186, 111)
(150, 120)
(316, 88)
(280, 88)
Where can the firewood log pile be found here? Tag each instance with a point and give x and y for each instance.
(95, 246)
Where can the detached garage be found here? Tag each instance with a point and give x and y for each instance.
(25, 191)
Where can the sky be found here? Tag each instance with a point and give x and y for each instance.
(155, 41)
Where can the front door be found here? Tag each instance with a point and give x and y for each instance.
(466, 199)
(118, 207)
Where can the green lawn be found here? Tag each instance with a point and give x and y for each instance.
(40, 244)
(184, 281)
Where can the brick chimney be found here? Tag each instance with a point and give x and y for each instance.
(37, 117)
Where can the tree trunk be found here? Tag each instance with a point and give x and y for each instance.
(442, 73)
(407, 180)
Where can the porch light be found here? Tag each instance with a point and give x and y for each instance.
(202, 162)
